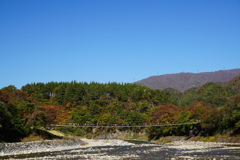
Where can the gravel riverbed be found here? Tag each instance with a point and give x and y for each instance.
(39, 146)
(110, 149)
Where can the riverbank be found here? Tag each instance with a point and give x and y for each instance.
(8, 149)
(72, 143)
(39, 146)
(220, 139)
(118, 149)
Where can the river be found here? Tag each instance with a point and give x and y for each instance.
(136, 150)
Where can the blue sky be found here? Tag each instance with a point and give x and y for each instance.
(115, 40)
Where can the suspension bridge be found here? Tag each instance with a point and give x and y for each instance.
(122, 126)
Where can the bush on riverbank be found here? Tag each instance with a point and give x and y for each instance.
(225, 139)
(73, 131)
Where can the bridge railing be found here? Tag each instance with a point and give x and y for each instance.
(124, 125)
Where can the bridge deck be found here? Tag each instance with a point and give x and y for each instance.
(118, 126)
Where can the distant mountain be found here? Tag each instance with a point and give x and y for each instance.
(184, 81)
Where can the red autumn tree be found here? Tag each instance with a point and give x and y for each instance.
(167, 113)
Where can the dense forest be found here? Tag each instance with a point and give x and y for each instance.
(215, 105)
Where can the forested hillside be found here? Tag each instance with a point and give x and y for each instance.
(184, 81)
(216, 105)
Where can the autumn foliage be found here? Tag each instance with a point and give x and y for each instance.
(215, 105)
(167, 113)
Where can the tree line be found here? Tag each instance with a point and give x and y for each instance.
(216, 105)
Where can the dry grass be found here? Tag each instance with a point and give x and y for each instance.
(57, 133)
(32, 138)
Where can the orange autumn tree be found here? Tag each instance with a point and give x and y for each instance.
(208, 115)
(56, 114)
(63, 116)
(167, 113)
(198, 109)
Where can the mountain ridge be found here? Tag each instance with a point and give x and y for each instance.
(186, 80)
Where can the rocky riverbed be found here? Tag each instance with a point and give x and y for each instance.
(119, 150)
(38, 146)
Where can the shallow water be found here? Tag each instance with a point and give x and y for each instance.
(143, 151)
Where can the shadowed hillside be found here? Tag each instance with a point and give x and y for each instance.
(184, 81)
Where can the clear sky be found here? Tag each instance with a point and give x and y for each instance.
(115, 40)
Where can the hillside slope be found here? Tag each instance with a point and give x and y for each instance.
(184, 81)
(234, 83)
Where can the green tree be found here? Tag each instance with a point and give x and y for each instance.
(80, 114)
(5, 116)
(9, 88)
(231, 114)
(12, 128)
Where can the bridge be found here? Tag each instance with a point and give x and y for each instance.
(120, 126)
